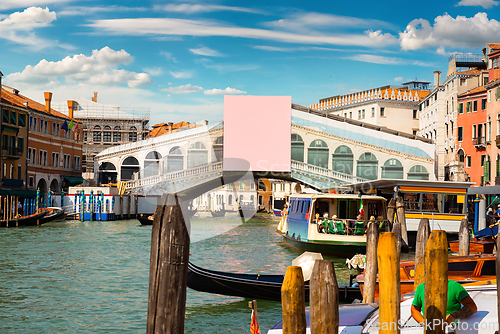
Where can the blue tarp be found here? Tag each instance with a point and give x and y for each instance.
(487, 232)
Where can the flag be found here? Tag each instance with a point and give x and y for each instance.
(254, 326)
(65, 126)
(361, 209)
(71, 125)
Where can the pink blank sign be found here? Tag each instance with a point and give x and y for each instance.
(257, 132)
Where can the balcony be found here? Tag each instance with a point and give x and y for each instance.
(11, 152)
(479, 142)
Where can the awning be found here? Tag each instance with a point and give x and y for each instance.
(18, 193)
(73, 180)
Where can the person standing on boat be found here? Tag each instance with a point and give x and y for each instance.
(460, 304)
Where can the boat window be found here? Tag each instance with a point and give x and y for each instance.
(308, 205)
(454, 203)
(461, 267)
(411, 201)
(439, 203)
(489, 268)
(302, 206)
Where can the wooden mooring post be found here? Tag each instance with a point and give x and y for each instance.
(370, 280)
(324, 299)
(389, 284)
(463, 238)
(436, 282)
(391, 210)
(400, 210)
(168, 269)
(293, 301)
(422, 236)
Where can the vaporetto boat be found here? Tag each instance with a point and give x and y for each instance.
(331, 223)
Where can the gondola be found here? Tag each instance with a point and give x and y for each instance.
(32, 220)
(249, 285)
(218, 213)
(53, 214)
(144, 219)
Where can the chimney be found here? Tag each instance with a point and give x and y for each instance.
(206, 122)
(94, 99)
(71, 107)
(170, 127)
(437, 78)
(48, 100)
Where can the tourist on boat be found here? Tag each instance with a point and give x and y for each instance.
(460, 304)
(319, 222)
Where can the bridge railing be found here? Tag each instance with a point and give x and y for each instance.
(326, 172)
(175, 175)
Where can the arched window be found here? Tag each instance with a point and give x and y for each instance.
(367, 166)
(317, 153)
(343, 160)
(218, 147)
(418, 172)
(107, 173)
(488, 134)
(241, 198)
(106, 135)
(132, 135)
(197, 155)
(129, 166)
(117, 136)
(152, 164)
(297, 148)
(230, 200)
(461, 155)
(97, 134)
(175, 160)
(392, 169)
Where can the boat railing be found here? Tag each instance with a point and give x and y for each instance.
(350, 226)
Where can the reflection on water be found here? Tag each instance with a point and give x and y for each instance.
(88, 277)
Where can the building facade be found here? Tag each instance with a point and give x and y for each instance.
(53, 154)
(380, 106)
(104, 126)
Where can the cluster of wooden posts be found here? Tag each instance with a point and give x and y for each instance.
(170, 256)
(9, 207)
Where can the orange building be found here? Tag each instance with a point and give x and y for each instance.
(474, 135)
(265, 195)
(54, 152)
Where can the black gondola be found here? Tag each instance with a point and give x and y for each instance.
(218, 213)
(144, 220)
(250, 285)
(32, 220)
(53, 214)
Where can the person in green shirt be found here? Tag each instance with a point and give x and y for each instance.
(457, 296)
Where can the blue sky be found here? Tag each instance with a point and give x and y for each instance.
(179, 58)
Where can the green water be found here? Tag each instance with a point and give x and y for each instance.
(92, 277)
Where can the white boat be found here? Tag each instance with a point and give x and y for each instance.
(359, 319)
(344, 218)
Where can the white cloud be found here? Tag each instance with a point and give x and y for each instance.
(230, 67)
(293, 49)
(13, 4)
(204, 51)
(88, 10)
(181, 75)
(180, 27)
(168, 55)
(483, 3)
(375, 59)
(227, 91)
(441, 51)
(398, 79)
(99, 68)
(153, 71)
(380, 38)
(184, 89)
(459, 32)
(198, 8)
(19, 27)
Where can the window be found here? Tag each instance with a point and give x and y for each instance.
(40, 160)
(97, 134)
(22, 120)
(29, 154)
(496, 62)
(363, 113)
(474, 131)
(460, 108)
(483, 158)
(32, 181)
(53, 159)
(117, 136)
(373, 112)
(20, 145)
(13, 117)
(132, 136)
(474, 106)
(460, 133)
(483, 104)
(382, 111)
(34, 156)
(359, 114)
(45, 158)
(467, 107)
(469, 161)
(415, 114)
(350, 115)
(53, 128)
(107, 134)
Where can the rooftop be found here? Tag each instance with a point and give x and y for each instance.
(163, 128)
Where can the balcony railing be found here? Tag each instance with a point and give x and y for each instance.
(479, 142)
(12, 152)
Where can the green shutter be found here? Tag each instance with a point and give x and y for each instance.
(496, 93)
(486, 170)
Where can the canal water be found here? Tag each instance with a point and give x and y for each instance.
(92, 277)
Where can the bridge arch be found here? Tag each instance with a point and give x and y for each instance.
(392, 169)
(297, 147)
(107, 173)
(42, 186)
(317, 153)
(152, 164)
(197, 155)
(367, 166)
(175, 160)
(129, 166)
(343, 160)
(418, 172)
